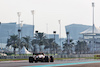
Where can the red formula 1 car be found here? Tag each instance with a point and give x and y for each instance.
(40, 57)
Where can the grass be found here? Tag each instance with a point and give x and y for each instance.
(89, 57)
(11, 59)
(29, 54)
(74, 58)
(22, 55)
(62, 58)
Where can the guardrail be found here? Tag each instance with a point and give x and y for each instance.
(74, 56)
(14, 57)
(56, 56)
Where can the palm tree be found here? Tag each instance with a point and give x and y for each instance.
(26, 41)
(33, 42)
(13, 41)
(57, 48)
(68, 47)
(81, 47)
(41, 37)
(49, 44)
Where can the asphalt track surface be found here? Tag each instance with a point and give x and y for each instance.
(83, 65)
(60, 63)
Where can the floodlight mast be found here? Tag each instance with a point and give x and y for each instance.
(93, 16)
(33, 21)
(19, 30)
(33, 16)
(93, 27)
(60, 32)
(19, 14)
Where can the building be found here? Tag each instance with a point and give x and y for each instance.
(75, 29)
(7, 29)
(52, 36)
(92, 39)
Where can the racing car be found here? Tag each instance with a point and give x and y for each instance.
(40, 57)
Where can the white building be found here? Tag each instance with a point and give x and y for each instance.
(92, 38)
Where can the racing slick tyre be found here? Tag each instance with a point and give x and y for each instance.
(42, 59)
(30, 59)
(46, 59)
(51, 59)
(36, 60)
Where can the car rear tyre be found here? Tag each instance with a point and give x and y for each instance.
(51, 59)
(36, 60)
(30, 59)
(46, 59)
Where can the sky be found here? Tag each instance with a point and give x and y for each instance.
(48, 12)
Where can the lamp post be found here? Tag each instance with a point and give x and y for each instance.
(36, 31)
(79, 47)
(35, 41)
(19, 14)
(0, 34)
(36, 34)
(93, 27)
(60, 32)
(33, 21)
(54, 32)
(21, 25)
(19, 30)
(93, 16)
(67, 37)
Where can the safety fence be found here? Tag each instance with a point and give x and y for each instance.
(74, 56)
(55, 56)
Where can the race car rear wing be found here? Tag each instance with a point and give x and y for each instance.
(38, 53)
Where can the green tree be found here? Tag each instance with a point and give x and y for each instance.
(81, 47)
(55, 47)
(13, 41)
(34, 42)
(68, 47)
(40, 40)
(26, 41)
(52, 45)
(49, 44)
